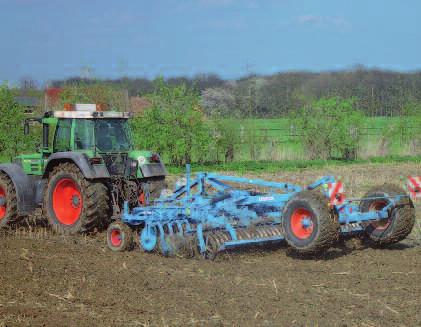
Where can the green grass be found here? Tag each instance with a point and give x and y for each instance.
(275, 141)
(290, 165)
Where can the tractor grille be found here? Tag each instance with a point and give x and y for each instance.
(115, 163)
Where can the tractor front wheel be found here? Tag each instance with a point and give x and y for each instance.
(73, 204)
(308, 223)
(8, 201)
(401, 218)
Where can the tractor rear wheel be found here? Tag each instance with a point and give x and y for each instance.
(8, 202)
(401, 219)
(74, 204)
(308, 223)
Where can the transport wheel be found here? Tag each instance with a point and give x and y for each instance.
(119, 237)
(308, 223)
(73, 204)
(401, 218)
(8, 201)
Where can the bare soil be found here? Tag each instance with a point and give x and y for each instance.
(51, 280)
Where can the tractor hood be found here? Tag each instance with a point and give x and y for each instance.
(149, 163)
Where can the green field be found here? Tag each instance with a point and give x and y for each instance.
(274, 139)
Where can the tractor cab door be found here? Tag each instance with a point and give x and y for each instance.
(63, 135)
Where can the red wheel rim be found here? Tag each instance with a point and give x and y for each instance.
(384, 223)
(302, 223)
(3, 207)
(141, 198)
(67, 201)
(115, 237)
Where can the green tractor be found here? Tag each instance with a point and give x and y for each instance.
(84, 171)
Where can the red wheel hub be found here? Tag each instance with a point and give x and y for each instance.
(67, 201)
(381, 224)
(3, 209)
(302, 223)
(115, 237)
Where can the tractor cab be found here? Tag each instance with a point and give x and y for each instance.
(104, 137)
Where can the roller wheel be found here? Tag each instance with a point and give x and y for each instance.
(8, 202)
(401, 218)
(308, 223)
(119, 237)
(73, 204)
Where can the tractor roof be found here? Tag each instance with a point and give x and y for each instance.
(89, 114)
(86, 111)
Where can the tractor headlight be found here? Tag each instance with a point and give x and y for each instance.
(141, 160)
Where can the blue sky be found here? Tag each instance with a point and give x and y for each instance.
(52, 39)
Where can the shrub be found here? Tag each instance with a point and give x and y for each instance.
(174, 125)
(329, 128)
(12, 139)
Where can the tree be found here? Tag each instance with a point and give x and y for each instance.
(174, 125)
(12, 139)
(98, 92)
(330, 128)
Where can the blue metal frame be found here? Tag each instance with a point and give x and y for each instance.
(192, 210)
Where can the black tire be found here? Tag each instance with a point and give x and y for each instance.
(401, 219)
(119, 237)
(9, 205)
(322, 230)
(93, 202)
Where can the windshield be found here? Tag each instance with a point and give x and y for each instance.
(107, 135)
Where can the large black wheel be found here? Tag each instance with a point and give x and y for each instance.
(74, 204)
(401, 218)
(8, 202)
(308, 223)
(119, 237)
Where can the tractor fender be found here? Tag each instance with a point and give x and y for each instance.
(79, 159)
(24, 187)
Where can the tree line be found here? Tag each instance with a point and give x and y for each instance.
(377, 92)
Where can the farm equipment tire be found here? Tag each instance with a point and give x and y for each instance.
(8, 202)
(74, 204)
(119, 237)
(401, 217)
(308, 223)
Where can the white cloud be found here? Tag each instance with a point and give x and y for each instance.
(323, 21)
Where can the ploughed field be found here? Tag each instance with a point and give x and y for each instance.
(51, 280)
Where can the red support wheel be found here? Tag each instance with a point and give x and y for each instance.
(308, 223)
(119, 237)
(401, 218)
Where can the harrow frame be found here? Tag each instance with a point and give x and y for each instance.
(240, 216)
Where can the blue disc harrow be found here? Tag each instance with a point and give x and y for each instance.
(209, 213)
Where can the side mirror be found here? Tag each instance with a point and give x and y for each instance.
(26, 128)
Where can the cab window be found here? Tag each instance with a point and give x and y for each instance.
(62, 137)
